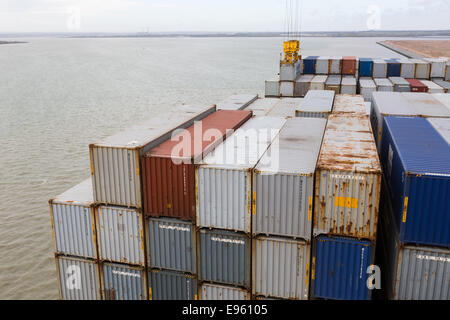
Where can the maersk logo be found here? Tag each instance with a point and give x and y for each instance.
(127, 274)
(168, 227)
(234, 241)
(432, 258)
(348, 177)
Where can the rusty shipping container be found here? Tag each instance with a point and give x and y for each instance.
(169, 169)
(209, 291)
(115, 161)
(122, 282)
(349, 65)
(73, 222)
(348, 179)
(237, 102)
(349, 104)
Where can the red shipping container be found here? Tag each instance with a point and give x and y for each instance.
(349, 65)
(169, 169)
(417, 85)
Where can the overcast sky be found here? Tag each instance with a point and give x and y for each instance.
(218, 15)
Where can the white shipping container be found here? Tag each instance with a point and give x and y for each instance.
(426, 105)
(272, 88)
(367, 87)
(348, 85)
(303, 84)
(379, 68)
(408, 69)
(285, 108)
(336, 65)
(316, 104)
(224, 177)
(318, 82)
(262, 107)
(437, 67)
(433, 87)
(447, 71)
(237, 102)
(423, 68)
(323, 65)
(384, 85)
(286, 88)
(443, 98)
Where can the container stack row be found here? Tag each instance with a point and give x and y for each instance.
(414, 137)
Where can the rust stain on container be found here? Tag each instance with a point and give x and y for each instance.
(349, 104)
(349, 65)
(169, 169)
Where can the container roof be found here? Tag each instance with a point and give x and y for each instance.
(81, 194)
(285, 108)
(262, 106)
(317, 101)
(442, 125)
(237, 102)
(425, 105)
(346, 103)
(421, 148)
(348, 145)
(392, 103)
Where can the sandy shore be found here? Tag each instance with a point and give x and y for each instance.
(425, 48)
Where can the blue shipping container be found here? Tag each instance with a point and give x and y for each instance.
(365, 67)
(394, 68)
(340, 268)
(309, 65)
(416, 163)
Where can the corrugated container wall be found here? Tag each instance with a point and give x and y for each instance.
(394, 68)
(171, 244)
(423, 69)
(283, 181)
(318, 82)
(349, 104)
(447, 71)
(216, 292)
(303, 84)
(349, 65)
(121, 282)
(323, 65)
(225, 257)
(309, 65)
(408, 69)
(169, 170)
(416, 164)
(336, 65)
(120, 235)
(437, 67)
(316, 104)
(281, 268)
(287, 88)
(379, 68)
(348, 85)
(223, 181)
(384, 85)
(115, 161)
(170, 285)
(367, 86)
(73, 222)
(334, 83)
(272, 88)
(340, 268)
(237, 102)
(365, 67)
(348, 179)
(78, 279)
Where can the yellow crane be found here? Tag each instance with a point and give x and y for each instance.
(291, 45)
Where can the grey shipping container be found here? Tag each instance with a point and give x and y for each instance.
(272, 88)
(334, 83)
(349, 104)
(316, 104)
(73, 221)
(262, 107)
(78, 279)
(318, 82)
(384, 85)
(423, 69)
(281, 268)
(115, 161)
(171, 285)
(437, 67)
(444, 84)
(285, 108)
(400, 84)
(209, 291)
(442, 126)
(223, 179)
(120, 235)
(286, 88)
(284, 180)
(367, 87)
(408, 69)
(323, 65)
(171, 244)
(303, 84)
(122, 282)
(379, 68)
(348, 179)
(290, 71)
(237, 102)
(348, 85)
(224, 257)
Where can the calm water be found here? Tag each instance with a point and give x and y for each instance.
(59, 95)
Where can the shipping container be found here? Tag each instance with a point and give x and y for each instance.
(323, 65)
(348, 179)
(384, 85)
(426, 105)
(283, 181)
(78, 279)
(437, 67)
(285, 108)
(318, 82)
(334, 83)
(272, 88)
(443, 98)
(394, 68)
(433, 87)
(417, 85)
(168, 171)
(122, 282)
(442, 126)
(223, 180)
(209, 291)
(447, 71)
(73, 222)
(348, 85)
(115, 161)
(225, 257)
(400, 84)
(349, 65)
(336, 65)
(443, 84)
(379, 68)
(281, 268)
(416, 164)
(411, 272)
(287, 88)
(303, 84)
(171, 285)
(367, 87)
(339, 268)
(237, 102)
(316, 104)
(408, 68)
(171, 244)
(290, 71)
(349, 104)
(365, 67)
(388, 104)
(120, 235)
(262, 107)
(309, 65)
(423, 69)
